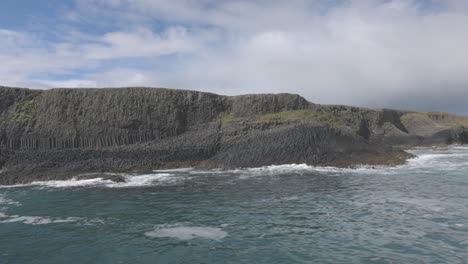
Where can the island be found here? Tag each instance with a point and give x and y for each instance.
(61, 133)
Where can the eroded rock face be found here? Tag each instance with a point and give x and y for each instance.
(50, 134)
(464, 136)
(86, 118)
(96, 118)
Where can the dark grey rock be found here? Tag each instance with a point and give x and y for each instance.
(62, 133)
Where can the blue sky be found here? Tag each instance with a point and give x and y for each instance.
(378, 53)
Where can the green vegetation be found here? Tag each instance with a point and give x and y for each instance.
(305, 115)
(24, 111)
(226, 118)
(436, 118)
(448, 119)
(388, 126)
(286, 117)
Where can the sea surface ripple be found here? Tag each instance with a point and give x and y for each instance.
(413, 213)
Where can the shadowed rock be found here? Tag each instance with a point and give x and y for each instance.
(58, 133)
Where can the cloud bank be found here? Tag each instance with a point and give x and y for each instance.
(380, 53)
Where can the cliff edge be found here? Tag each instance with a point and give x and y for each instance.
(59, 133)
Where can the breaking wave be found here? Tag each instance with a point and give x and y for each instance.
(427, 159)
(45, 220)
(38, 220)
(6, 201)
(128, 181)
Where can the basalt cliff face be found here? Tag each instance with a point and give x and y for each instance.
(59, 133)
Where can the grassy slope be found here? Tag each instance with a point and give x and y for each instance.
(426, 123)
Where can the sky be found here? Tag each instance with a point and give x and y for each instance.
(407, 54)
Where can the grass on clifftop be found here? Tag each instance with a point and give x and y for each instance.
(436, 118)
(305, 115)
(448, 119)
(286, 117)
(226, 118)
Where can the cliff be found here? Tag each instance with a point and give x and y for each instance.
(57, 133)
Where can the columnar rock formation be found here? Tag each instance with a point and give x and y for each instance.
(49, 133)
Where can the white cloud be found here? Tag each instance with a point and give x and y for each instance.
(364, 52)
(120, 77)
(140, 43)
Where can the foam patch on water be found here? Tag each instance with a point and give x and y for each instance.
(45, 220)
(460, 147)
(174, 170)
(146, 180)
(37, 220)
(129, 181)
(188, 232)
(427, 160)
(302, 169)
(454, 159)
(6, 201)
(73, 183)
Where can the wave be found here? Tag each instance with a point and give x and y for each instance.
(6, 201)
(174, 170)
(146, 180)
(72, 183)
(38, 220)
(304, 168)
(460, 147)
(187, 232)
(426, 160)
(129, 181)
(438, 160)
(45, 220)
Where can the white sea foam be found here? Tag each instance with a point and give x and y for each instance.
(73, 183)
(174, 170)
(452, 160)
(146, 180)
(205, 172)
(130, 181)
(45, 220)
(6, 201)
(188, 232)
(455, 157)
(37, 220)
(304, 168)
(460, 147)
(275, 169)
(427, 159)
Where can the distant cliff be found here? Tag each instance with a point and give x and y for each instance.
(60, 132)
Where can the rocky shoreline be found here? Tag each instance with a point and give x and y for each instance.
(61, 133)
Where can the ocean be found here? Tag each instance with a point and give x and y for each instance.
(414, 213)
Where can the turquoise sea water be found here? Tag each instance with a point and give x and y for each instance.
(416, 213)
